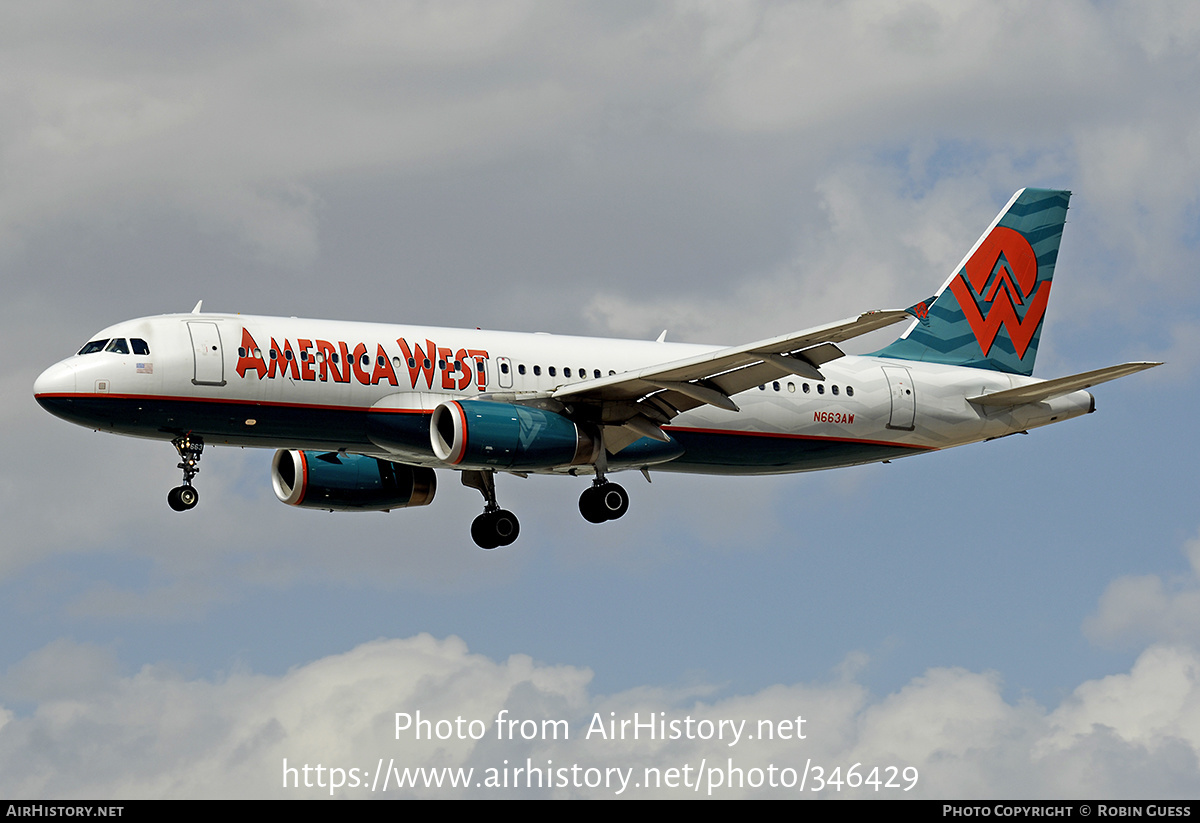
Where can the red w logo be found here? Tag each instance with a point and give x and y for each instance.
(1006, 259)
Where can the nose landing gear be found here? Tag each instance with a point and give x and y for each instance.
(185, 497)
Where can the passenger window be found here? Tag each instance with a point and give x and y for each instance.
(849, 391)
(118, 346)
(537, 370)
(504, 368)
(567, 371)
(550, 371)
(775, 385)
(820, 388)
(596, 373)
(806, 388)
(792, 388)
(139, 346)
(520, 368)
(833, 389)
(94, 346)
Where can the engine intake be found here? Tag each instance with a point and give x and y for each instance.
(349, 482)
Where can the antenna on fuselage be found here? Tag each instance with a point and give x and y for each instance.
(196, 308)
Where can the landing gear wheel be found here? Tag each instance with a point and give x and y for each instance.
(496, 526)
(614, 500)
(182, 498)
(590, 505)
(481, 532)
(505, 526)
(605, 501)
(492, 529)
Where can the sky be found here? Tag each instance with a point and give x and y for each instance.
(1019, 618)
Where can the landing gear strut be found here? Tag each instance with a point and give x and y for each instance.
(496, 526)
(182, 498)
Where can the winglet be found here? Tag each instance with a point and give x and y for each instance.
(196, 308)
(921, 310)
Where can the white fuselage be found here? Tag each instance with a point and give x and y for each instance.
(292, 383)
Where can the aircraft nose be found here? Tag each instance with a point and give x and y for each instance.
(58, 379)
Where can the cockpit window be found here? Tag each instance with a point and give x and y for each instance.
(118, 346)
(94, 346)
(139, 345)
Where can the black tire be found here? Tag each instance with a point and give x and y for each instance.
(188, 497)
(505, 527)
(173, 500)
(482, 532)
(614, 501)
(590, 505)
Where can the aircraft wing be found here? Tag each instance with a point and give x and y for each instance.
(641, 400)
(1059, 386)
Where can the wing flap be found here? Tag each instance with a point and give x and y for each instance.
(1047, 389)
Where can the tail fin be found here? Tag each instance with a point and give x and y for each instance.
(989, 313)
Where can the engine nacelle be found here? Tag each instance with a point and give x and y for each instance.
(349, 482)
(487, 435)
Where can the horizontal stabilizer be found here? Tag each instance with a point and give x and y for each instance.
(1059, 386)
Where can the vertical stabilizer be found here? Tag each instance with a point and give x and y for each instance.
(989, 314)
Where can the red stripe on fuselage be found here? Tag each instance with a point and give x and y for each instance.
(462, 417)
(789, 436)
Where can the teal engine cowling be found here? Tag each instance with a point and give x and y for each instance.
(488, 435)
(349, 482)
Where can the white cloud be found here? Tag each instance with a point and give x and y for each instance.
(1137, 608)
(240, 117)
(157, 734)
(870, 245)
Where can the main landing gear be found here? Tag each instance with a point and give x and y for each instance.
(496, 526)
(182, 498)
(603, 501)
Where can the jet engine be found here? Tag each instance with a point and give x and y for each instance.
(488, 435)
(349, 482)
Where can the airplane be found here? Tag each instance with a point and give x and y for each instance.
(362, 414)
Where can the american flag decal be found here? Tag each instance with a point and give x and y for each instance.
(145, 368)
